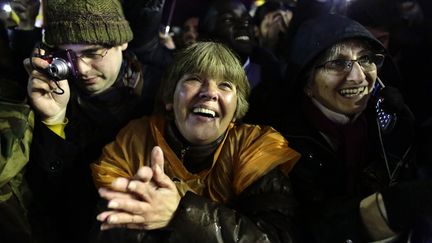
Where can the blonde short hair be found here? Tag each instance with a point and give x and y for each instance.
(212, 59)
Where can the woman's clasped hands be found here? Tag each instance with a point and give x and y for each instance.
(147, 201)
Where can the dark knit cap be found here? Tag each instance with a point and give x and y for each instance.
(85, 22)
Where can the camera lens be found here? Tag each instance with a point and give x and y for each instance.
(58, 69)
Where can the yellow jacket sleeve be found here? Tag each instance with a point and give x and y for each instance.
(58, 128)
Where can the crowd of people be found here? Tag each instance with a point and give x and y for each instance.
(293, 121)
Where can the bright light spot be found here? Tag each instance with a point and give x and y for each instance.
(7, 8)
(259, 2)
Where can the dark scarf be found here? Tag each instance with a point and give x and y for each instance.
(117, 101)
(350, 139)
(194, 157)
(96, 119)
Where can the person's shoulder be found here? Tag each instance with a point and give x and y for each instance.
(136, 126)
(251, 132)
(262, 55)
(248, 127)
(258, 143)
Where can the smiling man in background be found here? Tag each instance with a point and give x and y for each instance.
(230, 23)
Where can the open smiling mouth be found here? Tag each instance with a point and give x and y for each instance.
(242, 38)
(204, 112)
(351, 92)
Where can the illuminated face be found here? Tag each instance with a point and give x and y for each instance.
(345, 92)
(203, 107)
(234, 27)
(98, 66)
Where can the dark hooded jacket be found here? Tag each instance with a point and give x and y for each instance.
(329, 183)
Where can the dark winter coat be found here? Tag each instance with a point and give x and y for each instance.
(330, 184)
(329, 192)
(64, 196)
(265, 206)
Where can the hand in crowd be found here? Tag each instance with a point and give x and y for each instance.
(393, 102)
(167, 41)
(148, 201)
(283, 18)
(275, 23)
(27, 11)
(44, 93)
(393, 99)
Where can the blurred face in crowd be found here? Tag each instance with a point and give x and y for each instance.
(406, 5)
(381, 34)
(410, 10)
(341, 85)
(234, 27)
(190, 31)
(98, 66)
(203, 107)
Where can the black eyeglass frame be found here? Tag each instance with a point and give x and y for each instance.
(377, 59)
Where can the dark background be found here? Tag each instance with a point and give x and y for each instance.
(186, 8)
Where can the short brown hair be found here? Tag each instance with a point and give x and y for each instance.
(210, 58)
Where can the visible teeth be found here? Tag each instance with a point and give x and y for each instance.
(243, 37)
(204, 111)
(353, 91)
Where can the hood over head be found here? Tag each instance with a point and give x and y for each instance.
(318, 34)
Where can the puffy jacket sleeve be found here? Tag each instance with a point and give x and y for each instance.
(326, 213)
(262, 213)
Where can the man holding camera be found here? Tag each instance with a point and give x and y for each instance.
(84, 86)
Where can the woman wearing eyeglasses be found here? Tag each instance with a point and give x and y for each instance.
(356, 158)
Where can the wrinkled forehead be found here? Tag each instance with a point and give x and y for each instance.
(216, 72)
